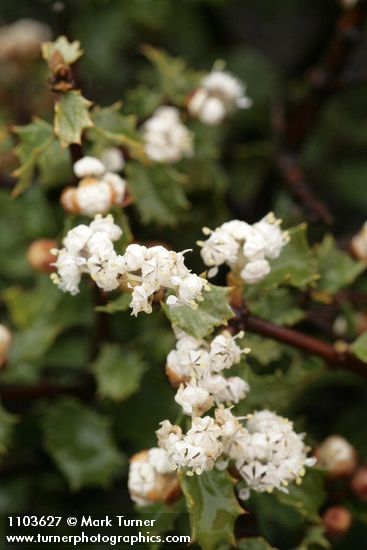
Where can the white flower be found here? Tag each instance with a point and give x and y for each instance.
(106, 225)
(255, 271)
(113, 159)
(244, 248)
(105, 268)
(88, 166)
(224, 352)
(69, 271)
(274, 454)
(166, 138)
(193, 399)
(235, 390)
(141, 299)
(97, 191)
(77, 238)
(94, 198)
(168, 434)
(150, 477)
(359, 243)
(134, 257)
(219, 94)
(198, 450)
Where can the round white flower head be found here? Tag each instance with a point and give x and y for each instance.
(198, 450)
(150, 477)
(359, 243)
(166, 139)
(5, 343)
(117, 186)
(88, 166)
(244, 248)
(93, 199)
(275, 455)
(219, 94)
(113, 159)
(224, 352)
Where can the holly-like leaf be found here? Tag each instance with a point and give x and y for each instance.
(159, 197)
(296, 265)
(212, 312)
(34, 139)
(7, 422)
(80, 442)
(278, 305)
(114, 306)
(70, 51)
(118, 372)
(308, 497)
(71, 117)
(254, 543)
(359, 347)
(337, 269)
(110, 126)
(213, 508)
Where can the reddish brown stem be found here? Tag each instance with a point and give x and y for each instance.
(336, 359)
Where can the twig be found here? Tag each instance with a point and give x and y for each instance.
(335, 358)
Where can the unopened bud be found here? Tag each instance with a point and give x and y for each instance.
(359, 483)
(5, 343)
(337, 456)
(337, 520)
(39, 255)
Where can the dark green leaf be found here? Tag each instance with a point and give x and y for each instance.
(337, 268)
(212, 312)
(213, 506)
(7, 422)
(308, 497)
(118, 372)
(359, 347)
(119, 304)
(254, 543)
(79, 440)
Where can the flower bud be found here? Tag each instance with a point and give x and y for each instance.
(39, 255)
(337, 456)
(337, 520)
(5, 342)
(359, 483)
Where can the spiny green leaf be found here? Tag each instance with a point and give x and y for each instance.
(7, 422)
(213, 506)
(70, 51)
(296, 265)
(118, 372)
(359, 347)
(212, 312)
(34, 138)
(110, 126)
(119, 304)
(159, 197)
(71, 117)
(80, 442)
(278, 305)
(337, 268)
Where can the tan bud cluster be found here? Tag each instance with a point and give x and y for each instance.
(337, 521)
(5, 343)
(359, 483)
(39, 255)
(337, 456)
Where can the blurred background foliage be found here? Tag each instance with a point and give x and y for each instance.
(69, 452)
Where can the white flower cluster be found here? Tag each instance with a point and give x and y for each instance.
(359, 243)
(166, 139)
(89, 249)
(244, 248)
(195, 367)
(268, 454)
(99, 189)
(150, 477)
(22, 39)
(219, 94)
